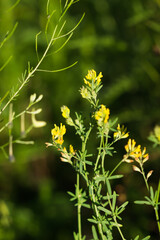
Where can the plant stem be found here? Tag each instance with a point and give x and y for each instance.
(79, 210)
(97, 214)
(116, 167)
(157, 218)
(119, 229)
(99, 153)
(155, 207)
(114, 218)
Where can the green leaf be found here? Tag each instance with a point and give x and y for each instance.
(114, 200)
(142, 202)
(152, 193)
(108, 212)
(146, 238)
(86, 205)
(71, 194)
(94, 233)
(92, 220)
(158, 193)
(108, 187)
(137, 237)
(115, 177)
(75, 236)
(122, 207)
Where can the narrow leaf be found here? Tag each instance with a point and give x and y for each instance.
(114, 201)
(94, 232)
(142, 202)
(108, 212)
(146, 238)
(115, 177)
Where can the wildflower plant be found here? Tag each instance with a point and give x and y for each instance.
(98, 194)
(52, 34)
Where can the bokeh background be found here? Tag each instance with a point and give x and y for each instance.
(122, 40)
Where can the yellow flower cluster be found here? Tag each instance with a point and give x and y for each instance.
(121, 132)
(92, 78)
(102, 115)
(57, 133)
(135, 152)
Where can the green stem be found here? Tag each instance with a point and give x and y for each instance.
(103, 156)
(115, 219)
(144, 177)
(83, 150)
(119, 229)
(97, 215)
(116, 167)
(99, 153)
(156, 207)
(79, 210)
(157, 218)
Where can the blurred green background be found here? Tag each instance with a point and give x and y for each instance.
(122, 40)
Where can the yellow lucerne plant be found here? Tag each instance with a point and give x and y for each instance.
(93, 170)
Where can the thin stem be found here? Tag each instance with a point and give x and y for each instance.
(79, 210)
(99, 153)
(84, 142)
(157, 218)
(115, 219)
(144, 177)
(97, 215)
(119, 229)
(116, 167)
(155, 207)
(103, 156)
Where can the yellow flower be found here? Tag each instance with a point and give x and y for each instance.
(131, 148)
(71, 149)
(121, 132)
(99, 78)
(57, 133)
(65, 111)
(102, 115)
(92, 77)
(91, 74)
(135, 152)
